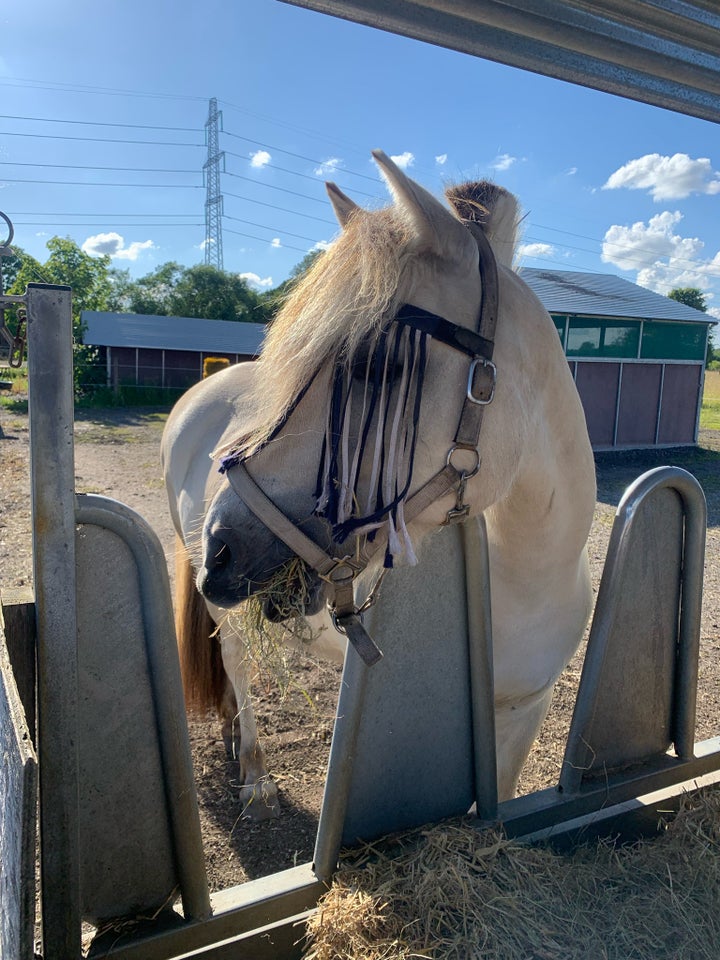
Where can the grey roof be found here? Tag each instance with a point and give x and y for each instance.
(655, 51)
(604, 295)
(171, 333)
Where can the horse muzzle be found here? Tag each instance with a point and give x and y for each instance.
(229, 576)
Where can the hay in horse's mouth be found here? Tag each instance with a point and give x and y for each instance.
(288, 594)
(274, 614)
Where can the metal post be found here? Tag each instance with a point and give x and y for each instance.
(50, 376)
(482, 677)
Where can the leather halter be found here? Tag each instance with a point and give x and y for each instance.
(341, 572)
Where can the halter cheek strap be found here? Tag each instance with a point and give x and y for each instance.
(341, 572)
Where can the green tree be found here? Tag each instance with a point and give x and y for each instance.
(91, 288)
(200, 291)
(205, 291)
(690, 296)
(150, 294)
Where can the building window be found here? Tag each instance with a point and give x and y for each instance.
(673, 341)
(590, 337)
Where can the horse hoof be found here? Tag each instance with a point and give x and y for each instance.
(259, 801)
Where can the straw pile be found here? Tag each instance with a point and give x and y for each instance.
(453, 892)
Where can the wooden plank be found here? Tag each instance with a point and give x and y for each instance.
(18, 614)
(18, 798)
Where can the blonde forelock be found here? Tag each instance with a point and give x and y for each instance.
(350, 290)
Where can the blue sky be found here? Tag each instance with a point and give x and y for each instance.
(607, 185)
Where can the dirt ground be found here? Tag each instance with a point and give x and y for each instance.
(116, 454)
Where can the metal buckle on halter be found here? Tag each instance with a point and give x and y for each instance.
(489, 367)
(353, 565)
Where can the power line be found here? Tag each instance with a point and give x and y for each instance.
(297, 173)
(285, 246)
(100, 123)
(78, 183)
(53, 136)
(272, 186)
(103, 91)
(91, 223)
(262, 226)
(77, 166)
(298, 156)
(273, 206)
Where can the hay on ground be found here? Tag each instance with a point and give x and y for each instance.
(453, 893)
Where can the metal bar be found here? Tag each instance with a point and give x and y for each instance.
(683, 732)
(480, 652)
(546, 808)
(50, 377)
(240, 910)
(340, 767)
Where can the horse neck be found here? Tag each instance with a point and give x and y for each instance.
(539, 529)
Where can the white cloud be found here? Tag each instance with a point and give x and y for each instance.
(403, 160)
(535, 250)
(666, 178)
(207, 242)
(503, 161)
(662, 258)
(320, 245)
(259, 159)
(275, 243)
(571, 172)
(259, 283)
(441, 160)
(113, 245)
(328, 167)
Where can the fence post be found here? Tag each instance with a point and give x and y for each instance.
(50, 378)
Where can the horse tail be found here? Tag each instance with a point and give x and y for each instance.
(201, 666)
(494, 209)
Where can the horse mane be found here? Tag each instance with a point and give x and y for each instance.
(359, 278)
(494, 209)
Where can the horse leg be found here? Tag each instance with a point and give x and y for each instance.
(258, 793)
(516, 727)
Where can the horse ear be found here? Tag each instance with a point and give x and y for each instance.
(436, 230)
(343, 206)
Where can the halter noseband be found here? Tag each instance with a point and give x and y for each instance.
(340, 572)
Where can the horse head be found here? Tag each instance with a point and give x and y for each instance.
(363, 381)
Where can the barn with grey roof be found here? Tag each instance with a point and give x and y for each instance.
(637, 357)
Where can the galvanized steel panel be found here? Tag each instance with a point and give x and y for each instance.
(403, 731)
(662, 52)
(139, 830)
(638, 686)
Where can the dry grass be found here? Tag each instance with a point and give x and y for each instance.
(454, 893)
(710, 411)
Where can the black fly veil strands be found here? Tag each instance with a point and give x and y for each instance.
(377, 443)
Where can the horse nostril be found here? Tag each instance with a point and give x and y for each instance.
(218, 554)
